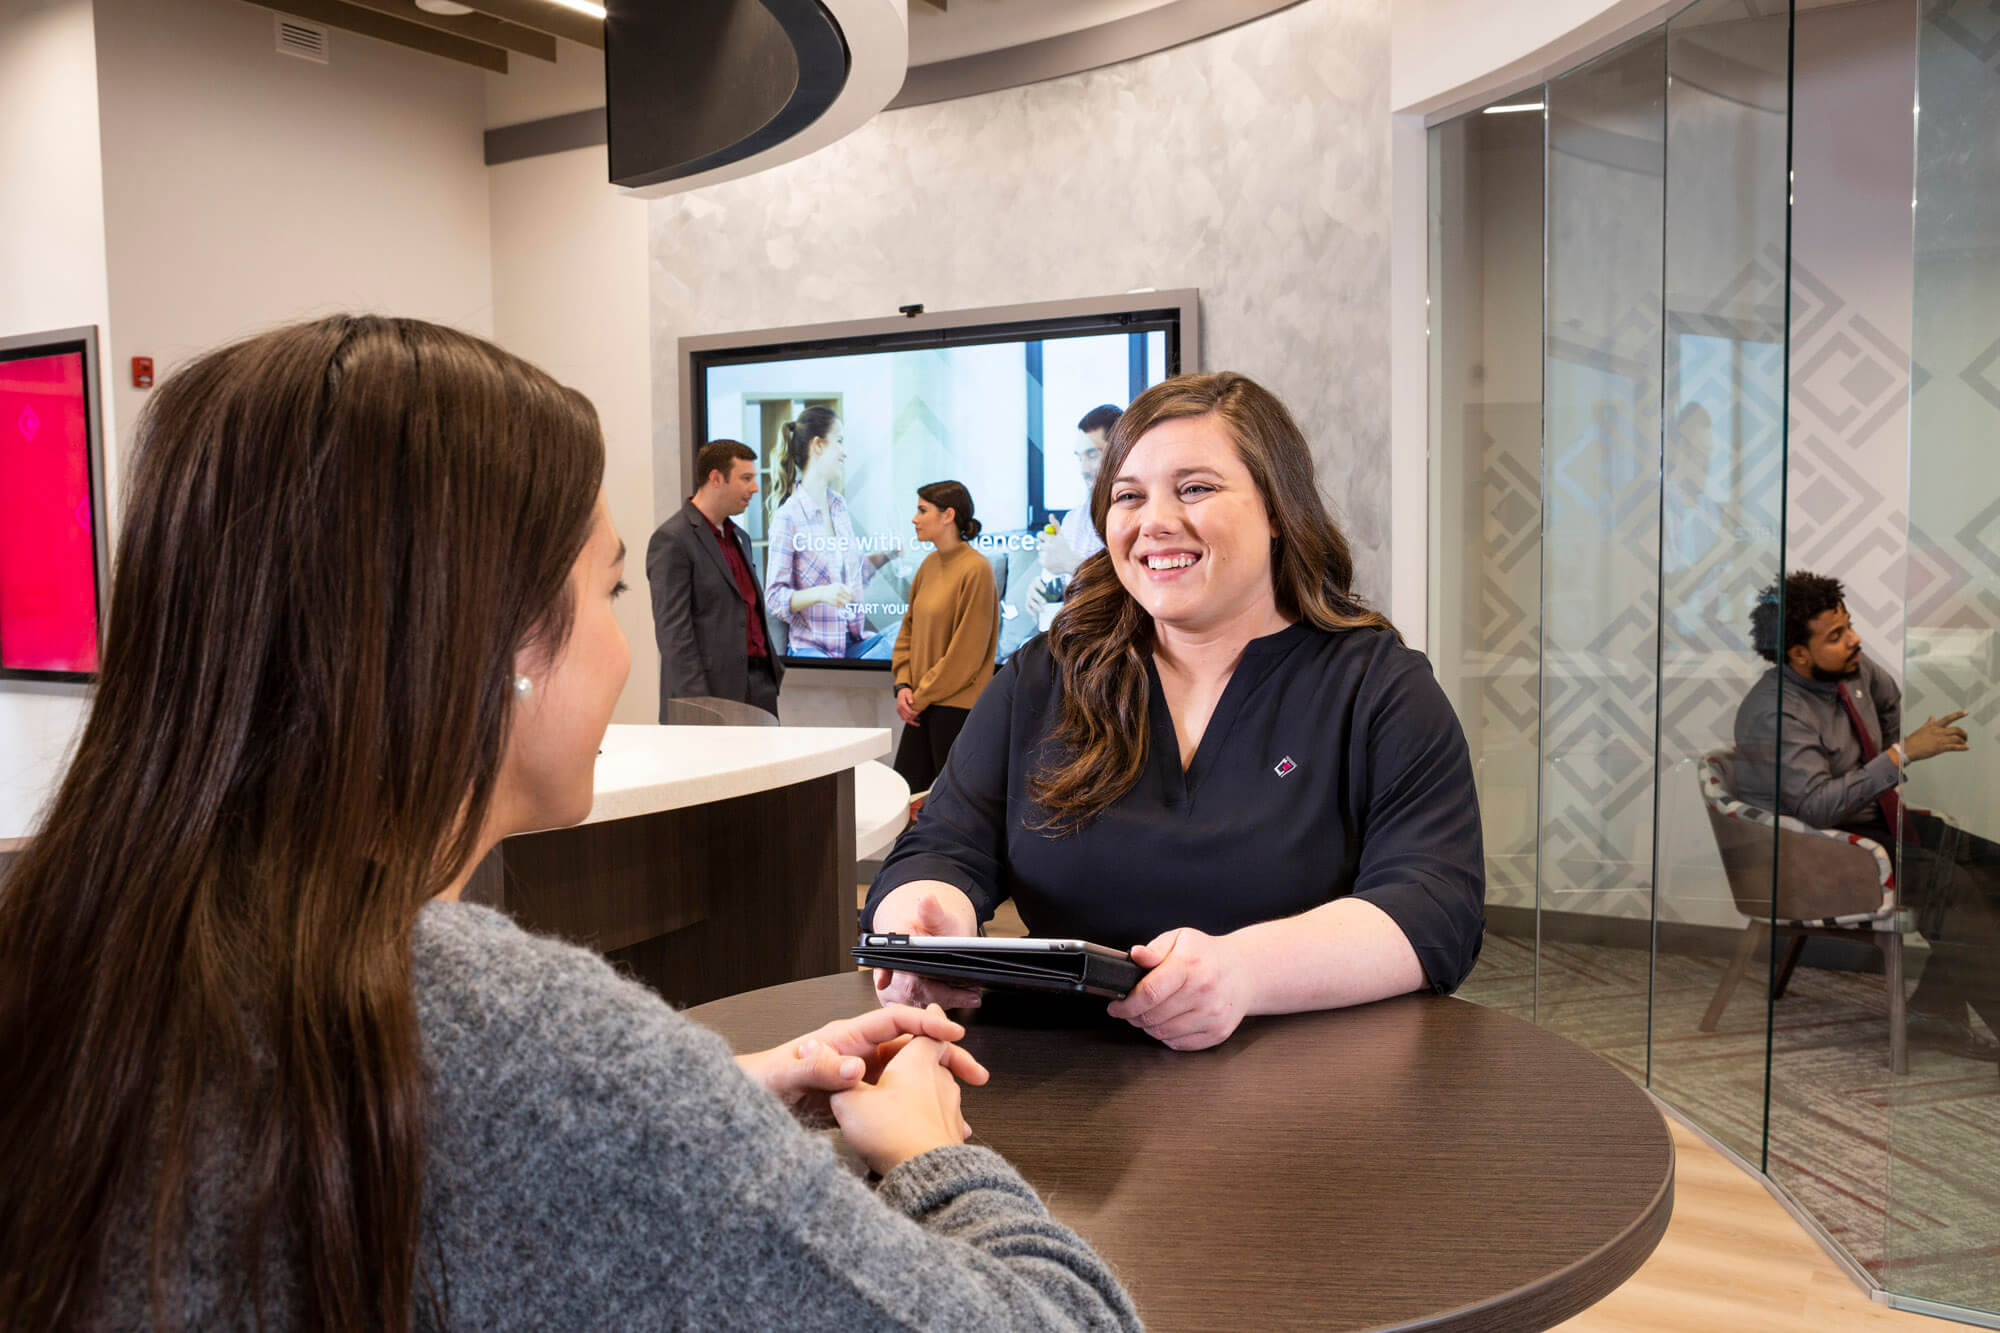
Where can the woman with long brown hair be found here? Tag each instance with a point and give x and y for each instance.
(815, 566)
(263, 1068)
(1218, 757)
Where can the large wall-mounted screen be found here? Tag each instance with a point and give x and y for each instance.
(996, 408)
(50, 497)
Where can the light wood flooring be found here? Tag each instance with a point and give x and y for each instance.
(1732, 1258)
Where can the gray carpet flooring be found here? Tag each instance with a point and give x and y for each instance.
(1903, 1172)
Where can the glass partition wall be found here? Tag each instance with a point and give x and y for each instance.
(1486, 520)
(1943, 1234)
(1684, 340)
(1606, 186)
(1722, 456)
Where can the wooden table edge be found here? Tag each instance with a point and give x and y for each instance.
(1549, 1300)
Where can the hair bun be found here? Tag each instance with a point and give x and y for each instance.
(972, 528)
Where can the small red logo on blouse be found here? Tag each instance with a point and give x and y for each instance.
(1285, 766)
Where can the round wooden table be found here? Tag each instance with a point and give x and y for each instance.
(1419, 1163)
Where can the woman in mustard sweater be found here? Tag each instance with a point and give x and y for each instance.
(944, 653)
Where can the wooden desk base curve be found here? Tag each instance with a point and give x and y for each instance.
(1423, 1163)
(699, 902)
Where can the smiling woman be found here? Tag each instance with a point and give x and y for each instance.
(1230, 479)
(1218, 757)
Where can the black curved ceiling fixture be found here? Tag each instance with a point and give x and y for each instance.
(692, 85)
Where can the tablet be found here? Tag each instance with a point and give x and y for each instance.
(1073, 966)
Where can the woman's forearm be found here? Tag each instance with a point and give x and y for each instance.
(778, 586)
(1348, 951)
(803, 598)
(898, 907)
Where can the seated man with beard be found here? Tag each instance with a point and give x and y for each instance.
(1826, 747)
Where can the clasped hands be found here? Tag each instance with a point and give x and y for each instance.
(1195, 993)
(890, 1079)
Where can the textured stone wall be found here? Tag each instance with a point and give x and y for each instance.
(1252, 165)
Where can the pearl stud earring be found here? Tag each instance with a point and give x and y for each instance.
(523, 687)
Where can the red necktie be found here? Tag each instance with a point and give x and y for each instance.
(1890, 801)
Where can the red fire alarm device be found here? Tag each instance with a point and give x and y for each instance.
(142, 372)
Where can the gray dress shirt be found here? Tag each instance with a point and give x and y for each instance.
(1797, 753)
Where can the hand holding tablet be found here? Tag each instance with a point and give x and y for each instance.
(1196, 989)
(925, 908)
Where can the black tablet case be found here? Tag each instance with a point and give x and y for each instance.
(1090, 969)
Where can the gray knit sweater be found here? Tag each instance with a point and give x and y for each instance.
(598, 1161)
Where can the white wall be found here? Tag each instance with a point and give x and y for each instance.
(51, 276)
(1447, 55)
(569, 294)
(537, 89)
(245, 189)
(186, 185)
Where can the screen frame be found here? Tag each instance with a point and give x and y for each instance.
(1177, 310)
(68, 342)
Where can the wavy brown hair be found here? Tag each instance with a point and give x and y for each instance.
(1101, 638)
(338, 536)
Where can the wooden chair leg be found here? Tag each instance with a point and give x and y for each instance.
(1754, 936)
(1892, 963)
(1784, 977)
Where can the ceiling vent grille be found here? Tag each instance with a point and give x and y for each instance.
(298, 37)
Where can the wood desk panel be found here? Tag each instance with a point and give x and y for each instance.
(701, 901)
(1420, 1163)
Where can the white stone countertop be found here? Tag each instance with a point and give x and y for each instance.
(646, 769)
(881, 809)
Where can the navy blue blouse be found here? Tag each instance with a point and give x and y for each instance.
(1332, 765)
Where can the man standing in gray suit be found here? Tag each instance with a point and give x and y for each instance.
(708, 607)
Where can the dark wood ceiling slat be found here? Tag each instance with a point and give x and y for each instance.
(477, 27)
(547, 16)
(416, 36)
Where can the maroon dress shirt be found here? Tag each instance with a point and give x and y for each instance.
(740, 569)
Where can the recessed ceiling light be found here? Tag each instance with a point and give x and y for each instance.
(450, 9)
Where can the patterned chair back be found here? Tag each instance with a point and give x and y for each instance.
(1823, 876)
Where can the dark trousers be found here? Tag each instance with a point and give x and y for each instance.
(763, 690)
(920, 755)
(1950, 879)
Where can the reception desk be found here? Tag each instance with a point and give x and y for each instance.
(714, 860)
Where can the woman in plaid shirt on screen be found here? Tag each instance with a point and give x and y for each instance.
(814, 569)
